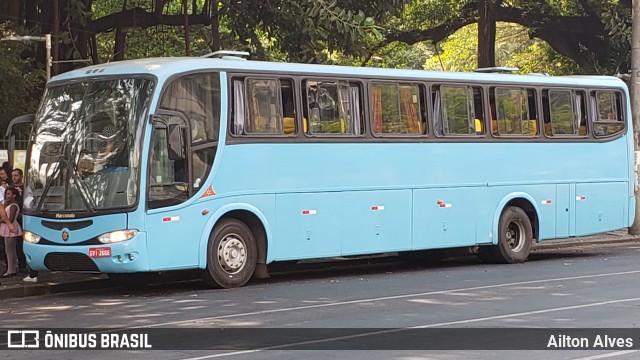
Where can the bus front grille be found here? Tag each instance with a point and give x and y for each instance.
(57, 261)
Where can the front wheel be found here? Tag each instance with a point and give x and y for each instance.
(515, 237)
(231, 255)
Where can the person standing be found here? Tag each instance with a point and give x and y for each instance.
(4, 178)
(11, 230)
(7, 170)
(3, 185)
(16, 177)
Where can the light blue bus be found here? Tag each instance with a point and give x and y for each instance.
(227, 165)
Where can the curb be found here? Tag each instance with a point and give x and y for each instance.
(578, 242)
(45, 288)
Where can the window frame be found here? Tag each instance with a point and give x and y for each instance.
(244, 77)
(422, 118)
(574, 93)
(535, 90)
(471, 106)
(306, 109)
(619, 107)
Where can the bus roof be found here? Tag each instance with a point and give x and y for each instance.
(165, 67)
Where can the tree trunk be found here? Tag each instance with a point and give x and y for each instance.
(215, 26)
(486, 34)
(120, 39)
(187, 47)
(635, 102)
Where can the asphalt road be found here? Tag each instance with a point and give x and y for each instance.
(586, 287)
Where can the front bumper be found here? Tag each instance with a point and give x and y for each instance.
(126, 256)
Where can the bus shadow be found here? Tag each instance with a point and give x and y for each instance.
(177, 282)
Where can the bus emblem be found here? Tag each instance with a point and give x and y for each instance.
(209, 192)
(65, 235)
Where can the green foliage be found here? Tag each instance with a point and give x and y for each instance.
(457, 53)
(617, 22)
(514, 48)
(21, 79)
(349, 32)
(311, 30)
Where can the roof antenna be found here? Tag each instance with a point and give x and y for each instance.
(221, 54)
(497, 69)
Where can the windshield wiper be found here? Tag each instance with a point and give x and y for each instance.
(54, 175)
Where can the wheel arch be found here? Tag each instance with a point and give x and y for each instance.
(251, 216)
(523, 201)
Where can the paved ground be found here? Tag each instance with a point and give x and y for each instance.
(59, 282)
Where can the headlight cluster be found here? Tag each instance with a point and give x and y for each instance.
(30, 237)
(108, 238)
(117, 236)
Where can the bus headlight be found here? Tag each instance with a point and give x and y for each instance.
(30, 237)
(117, 236)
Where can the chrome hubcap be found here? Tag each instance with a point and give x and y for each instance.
(232, 253)
(514, 234)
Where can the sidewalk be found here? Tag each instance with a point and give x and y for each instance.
(51, 283)
(60, 282)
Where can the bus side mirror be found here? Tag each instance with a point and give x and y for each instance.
(21, 122)
(176, 142)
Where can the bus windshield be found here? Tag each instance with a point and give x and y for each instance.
(86, 146)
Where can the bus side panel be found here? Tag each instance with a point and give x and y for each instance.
(307, 226)
(600, 207)
(174, 233)
(445, 217)
(563, 210)
(376, 221)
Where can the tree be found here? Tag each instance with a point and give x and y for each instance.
(20, 81)
(513, 48)
(593, 33)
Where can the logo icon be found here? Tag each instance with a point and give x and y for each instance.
(65, 235)
(23, 339)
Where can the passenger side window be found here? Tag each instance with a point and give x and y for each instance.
(333, 107)
(197, 97)
(564, 113)
(457, 110)
(396, 109)
(263, 107)
(167, 178)
(607, 106)
(513, 112)
(193, 103)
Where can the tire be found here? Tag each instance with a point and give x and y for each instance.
(231, 255)
(515, 237)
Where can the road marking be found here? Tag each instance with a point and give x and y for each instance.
(467, 321)
(384, 298)
(525, 313)
(604, 356)
(223, 355)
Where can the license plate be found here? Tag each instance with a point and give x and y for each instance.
(99, 252)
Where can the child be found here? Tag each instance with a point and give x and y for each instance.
(10, 229)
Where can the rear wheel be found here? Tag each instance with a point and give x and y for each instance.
(231, 255)
(515, 237)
